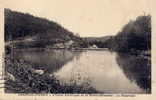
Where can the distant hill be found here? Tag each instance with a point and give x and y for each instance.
(101, 39)
(100, 42)
(19, 26)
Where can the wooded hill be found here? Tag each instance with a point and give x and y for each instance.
(32, 31)
(135, 35)
(23, 25)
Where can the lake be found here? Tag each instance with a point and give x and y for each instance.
(103, 71)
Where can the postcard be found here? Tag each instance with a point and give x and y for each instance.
(77, 49)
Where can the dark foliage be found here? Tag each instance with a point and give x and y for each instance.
(136, 35)
(23, 25)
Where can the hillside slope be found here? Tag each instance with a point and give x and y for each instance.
(136, 35)
(23, 25)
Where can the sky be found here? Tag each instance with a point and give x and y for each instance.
(84, 17)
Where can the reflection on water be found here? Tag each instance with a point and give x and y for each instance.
(137, 69)
(102, 70)
(49, 61)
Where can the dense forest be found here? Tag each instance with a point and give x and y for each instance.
(22, 26)
(136, 35)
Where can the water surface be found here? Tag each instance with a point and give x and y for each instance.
(104, 71)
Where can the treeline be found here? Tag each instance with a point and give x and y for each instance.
(134, 36)
(100, 42)
(23, 25)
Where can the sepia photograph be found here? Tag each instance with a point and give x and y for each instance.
(77, 47)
